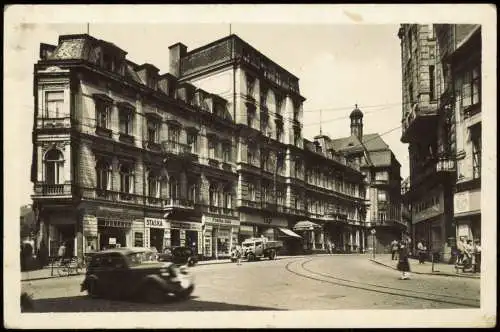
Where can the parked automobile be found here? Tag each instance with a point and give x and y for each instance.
(179, 256)
(135, 273)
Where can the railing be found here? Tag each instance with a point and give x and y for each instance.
(170, 203)
(101, 131)
(46, 123)
(53, 189)
(175, 147)
(126, 138)
(269, 205)
(249, 203)
(110, 195)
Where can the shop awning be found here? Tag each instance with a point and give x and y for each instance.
(305, 225)
(289, 232)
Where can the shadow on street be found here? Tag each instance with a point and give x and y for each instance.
(85, 304)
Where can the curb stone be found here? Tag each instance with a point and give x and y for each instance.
(429, 273)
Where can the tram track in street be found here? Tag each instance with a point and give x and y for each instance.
(408, 293)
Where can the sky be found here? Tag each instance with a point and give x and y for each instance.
(338, 66)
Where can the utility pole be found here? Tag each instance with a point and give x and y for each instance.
(320, 125)
(230, 29)
(88, 28)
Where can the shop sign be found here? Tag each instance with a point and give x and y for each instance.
(213, 220)
(155, 223)
(112, 240)
(114, 223)
(185, 225)
(461, 202)
(463, 230)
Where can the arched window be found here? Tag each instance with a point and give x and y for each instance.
(126, 179)
(103, 175)
(173, 188)
(54, 166)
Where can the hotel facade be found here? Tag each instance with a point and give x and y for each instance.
(204, 156)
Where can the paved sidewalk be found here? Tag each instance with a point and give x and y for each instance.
(47, 273)
(441, 269)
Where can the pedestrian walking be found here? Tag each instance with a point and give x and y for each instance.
(394, 249)
(403, 263)
(238, 255)
(421, 250)
(477, 256)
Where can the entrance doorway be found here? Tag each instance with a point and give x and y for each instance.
(175, 237)
(192, 240)
(156, 238)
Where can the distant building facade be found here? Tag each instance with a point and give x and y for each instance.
(442, 124)
(203, 156)
(382, 178)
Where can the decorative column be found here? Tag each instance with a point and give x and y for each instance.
(313, 240)
(322, 239)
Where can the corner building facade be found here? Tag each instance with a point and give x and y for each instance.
(441, 122)
(203, 156)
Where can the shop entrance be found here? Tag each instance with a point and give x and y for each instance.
(175, 237)
(111, 237)
(156, 236)
(192, 240)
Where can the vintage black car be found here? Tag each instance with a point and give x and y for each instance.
(135, 273)
(179, 256)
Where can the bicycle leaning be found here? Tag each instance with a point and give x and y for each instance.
(69, 266)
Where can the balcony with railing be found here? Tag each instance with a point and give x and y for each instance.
(126, 138)
(176, 149)
(421, 118)
(178, 203)
(53, 190)
(153, 146)
(110, 195)
(247, 203)
(53, 123)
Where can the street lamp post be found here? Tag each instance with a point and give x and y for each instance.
(373, 231)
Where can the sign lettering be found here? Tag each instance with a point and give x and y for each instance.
(154, 222)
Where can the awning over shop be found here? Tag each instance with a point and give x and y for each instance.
(305, 225)
(289, 232)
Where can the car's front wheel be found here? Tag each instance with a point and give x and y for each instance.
(185, 293)
(153, 294)
(190, 262)
(92, 288)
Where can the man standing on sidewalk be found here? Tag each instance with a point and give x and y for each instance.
(394, 249)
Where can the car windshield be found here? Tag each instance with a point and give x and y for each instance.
(142, 257)
(248, 244)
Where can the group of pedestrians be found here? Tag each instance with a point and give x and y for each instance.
(469, 254)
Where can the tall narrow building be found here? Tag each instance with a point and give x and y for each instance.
(441, 124)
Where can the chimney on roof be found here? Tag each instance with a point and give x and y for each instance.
(176, 53)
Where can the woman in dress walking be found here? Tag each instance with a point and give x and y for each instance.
(403, 264)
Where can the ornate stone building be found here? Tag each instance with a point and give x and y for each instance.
(382, 181)
(203, 156)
